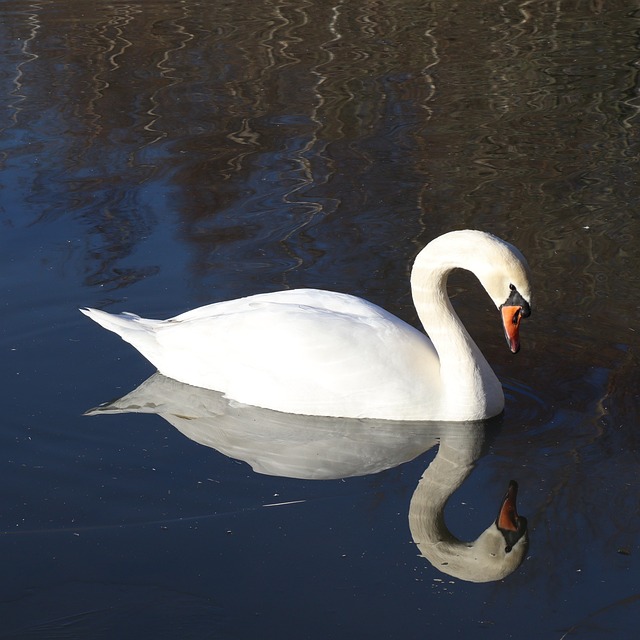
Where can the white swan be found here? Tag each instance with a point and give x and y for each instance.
(315, 352)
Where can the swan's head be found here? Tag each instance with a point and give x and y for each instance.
(501, 268)
(504, 273)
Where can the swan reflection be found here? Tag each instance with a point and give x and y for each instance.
(321, 448)
(274, 443)
(499, 550)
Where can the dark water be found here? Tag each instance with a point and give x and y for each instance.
(161, 155)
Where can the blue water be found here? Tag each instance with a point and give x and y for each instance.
(160, 156)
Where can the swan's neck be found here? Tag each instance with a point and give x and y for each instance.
(468, 382)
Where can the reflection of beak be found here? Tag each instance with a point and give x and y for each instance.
(512, 526)
(508, 519)
(511, 316)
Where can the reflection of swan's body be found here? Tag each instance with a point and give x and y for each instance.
(498, 551)
(321, 448)
(322, 353)
(274, 443)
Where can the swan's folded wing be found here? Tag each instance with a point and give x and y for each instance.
(301, 358)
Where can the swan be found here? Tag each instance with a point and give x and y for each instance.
(314, 352)
(498, 551)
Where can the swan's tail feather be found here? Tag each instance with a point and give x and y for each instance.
(118, 323)
(135, 330)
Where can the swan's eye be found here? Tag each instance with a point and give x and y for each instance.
(507, 549)
(512, 287)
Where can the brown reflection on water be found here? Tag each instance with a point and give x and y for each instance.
(302, 123)
(298, 143)
(254, 119)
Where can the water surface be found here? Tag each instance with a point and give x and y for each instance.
(161, 155)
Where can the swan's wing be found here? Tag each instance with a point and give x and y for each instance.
(311, 298)
(302, 352)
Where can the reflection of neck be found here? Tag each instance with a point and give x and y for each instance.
(426, 513)
(452, 464)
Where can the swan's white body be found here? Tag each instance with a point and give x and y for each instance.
(317, 352)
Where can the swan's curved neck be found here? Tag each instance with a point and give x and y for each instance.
(467, 380)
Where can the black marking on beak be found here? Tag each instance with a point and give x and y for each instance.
(515, 299)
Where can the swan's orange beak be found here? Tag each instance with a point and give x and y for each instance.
(511, 316)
